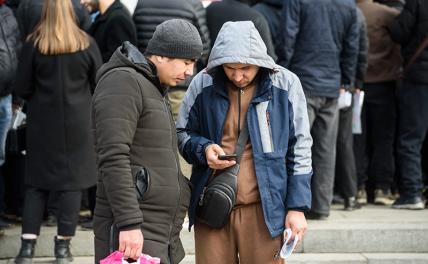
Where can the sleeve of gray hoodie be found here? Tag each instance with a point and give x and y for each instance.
(289, 29)
(362, 51)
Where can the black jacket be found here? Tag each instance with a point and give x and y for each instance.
(133, 129)
(113, 28)
(30, 11)
(150, 13)
(221, 12)
(363, 50)
(409, 29)
(57, 90)
(9, 46)
(271, 10)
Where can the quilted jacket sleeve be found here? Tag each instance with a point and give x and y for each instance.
(116, 109)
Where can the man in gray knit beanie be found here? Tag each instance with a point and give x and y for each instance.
(175, 38)
(173, 49)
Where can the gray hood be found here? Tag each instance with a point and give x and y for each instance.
(239, 42)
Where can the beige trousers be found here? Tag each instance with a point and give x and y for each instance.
(245, 239)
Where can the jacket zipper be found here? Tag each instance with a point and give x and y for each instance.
(178, 178)
(270, 129)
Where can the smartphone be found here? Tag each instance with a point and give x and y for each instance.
(227, 157)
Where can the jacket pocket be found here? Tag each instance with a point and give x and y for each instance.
(263, 118)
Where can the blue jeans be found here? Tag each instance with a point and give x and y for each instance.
(5, 119)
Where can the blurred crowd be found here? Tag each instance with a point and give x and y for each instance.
(345, 53)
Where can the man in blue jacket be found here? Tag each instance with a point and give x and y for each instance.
(319, 43)
(242, 86)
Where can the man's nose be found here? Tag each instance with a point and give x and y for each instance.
(237, 76)
(189, 70)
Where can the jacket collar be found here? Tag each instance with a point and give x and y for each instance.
(115, 6)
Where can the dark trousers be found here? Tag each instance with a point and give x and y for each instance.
(346, 172)
(375, 146)
(14, 173)
(323, 118)
(412, 129)
(67, 215)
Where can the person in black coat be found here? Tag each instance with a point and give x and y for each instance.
(221, 12)
(30, 11)
(271, 10)
(410, 29)
(56, 77)
(112, 27)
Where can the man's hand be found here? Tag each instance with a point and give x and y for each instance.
(131, 243)
(212, 152)
(296, 221)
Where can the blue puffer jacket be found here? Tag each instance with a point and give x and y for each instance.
(319, 42)
(277, 121)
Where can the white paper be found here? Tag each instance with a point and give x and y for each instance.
(345, 100)
(18, 119)
(356, 112)
(288, 246)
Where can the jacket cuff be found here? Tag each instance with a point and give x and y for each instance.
(130, 227)
(299, 194)
(359, 84)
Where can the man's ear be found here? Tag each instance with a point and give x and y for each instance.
(160, 59)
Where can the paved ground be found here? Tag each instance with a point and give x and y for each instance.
(374, 234)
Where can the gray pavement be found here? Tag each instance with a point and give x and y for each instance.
(374, 234)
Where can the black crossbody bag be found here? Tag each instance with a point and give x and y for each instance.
(219, 196)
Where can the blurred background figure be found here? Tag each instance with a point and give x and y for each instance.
(410, 29)
(9, 48)
(56, 76)
(346, 173)
(319, 43)
(112, 26)
(30, 11)
(221, 12)
(376, 143)
(271, 10)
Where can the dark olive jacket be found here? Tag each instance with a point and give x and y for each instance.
(134, 128)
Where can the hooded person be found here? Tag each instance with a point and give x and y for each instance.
(135, 132)
(242, 86)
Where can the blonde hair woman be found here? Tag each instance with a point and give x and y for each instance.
(56, 77)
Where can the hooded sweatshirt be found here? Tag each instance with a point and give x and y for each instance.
(277, 121)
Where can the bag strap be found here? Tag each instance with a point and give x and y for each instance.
(242, 141)
(416, 55)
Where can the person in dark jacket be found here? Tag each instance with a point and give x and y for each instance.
(235, 10)
(410, 29)
(30, 11)
(378, 116)
(9, 48)
(319, 43)
(271, 10)
(112, 26)
(134, 132)
(346, 172)
(56, 77)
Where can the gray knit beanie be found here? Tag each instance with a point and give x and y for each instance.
(175, 38)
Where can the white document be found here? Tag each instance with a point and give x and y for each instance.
(345, 100)
(356, 113)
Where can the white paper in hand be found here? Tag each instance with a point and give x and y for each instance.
(345, 100)
(289, 246)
